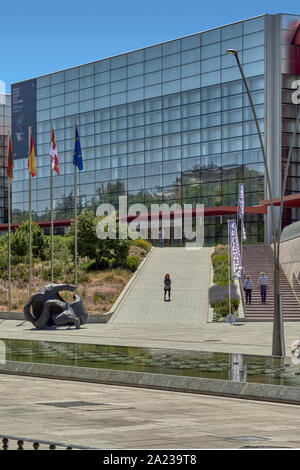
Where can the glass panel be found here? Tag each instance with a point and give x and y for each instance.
(103, 77)
(210, 78)
(102, 65)
(190, 56)
(171, 60)
(73, 85)
(86, 70)
(43, 81)
(136, 69)
(232, 31)
(153, 52)
(153, 65)
(190, 42)
(57, 77)
(253, 40)
(209, 65)
(171, 47)
(212, 50)
(190, 69)
(171, 74)
(118, 61)
(118, 74)
(135, 82)
(153, 169)
(251, 26)
(210, 37)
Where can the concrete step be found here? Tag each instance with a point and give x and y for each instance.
(257, 259)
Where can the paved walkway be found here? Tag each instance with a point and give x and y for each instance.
(132, 418)
(244, 338)
(190, 275)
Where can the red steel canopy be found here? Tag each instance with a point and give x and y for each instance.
(293, 200)
(208, 212)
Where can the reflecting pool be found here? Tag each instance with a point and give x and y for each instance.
(234, 367)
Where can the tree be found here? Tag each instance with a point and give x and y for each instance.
(20, 241)
(108, 253)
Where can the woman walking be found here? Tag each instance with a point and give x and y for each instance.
(167, 286)
(248, 289)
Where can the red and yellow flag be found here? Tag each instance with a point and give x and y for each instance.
(10, 162)
(53, 154)
(31, 158)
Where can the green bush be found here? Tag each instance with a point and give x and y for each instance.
(20, 242)
(108, 253)
(219, 299)
(140, 242)
(132, 262)
(221, 308)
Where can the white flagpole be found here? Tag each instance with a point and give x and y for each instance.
(51, 203)
(75, 206)
(30, 218)
(9, 239)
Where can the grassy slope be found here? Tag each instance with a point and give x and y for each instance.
(98, 289)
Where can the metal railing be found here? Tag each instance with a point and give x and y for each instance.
(21, 443)
(296, 287)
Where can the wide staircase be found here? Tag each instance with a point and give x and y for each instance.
(190, 272)
(257, 259)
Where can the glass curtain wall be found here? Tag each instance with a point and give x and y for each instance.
(5, 119)
(169, 123)
(290, 73)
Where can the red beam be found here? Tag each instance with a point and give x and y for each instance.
(293, 200)
(208, 212)
(41, 223)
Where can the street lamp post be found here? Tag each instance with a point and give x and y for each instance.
(278, 345)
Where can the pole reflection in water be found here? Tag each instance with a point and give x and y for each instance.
(238, 371)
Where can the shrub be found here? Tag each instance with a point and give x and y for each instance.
(108, 253)
(218, 294)
(221, 308)
(132, 262)
(140, 242)
(20, 242)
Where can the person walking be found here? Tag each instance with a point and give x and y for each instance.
(161, 237)
(248, 289)
(263, 283)
(167, 287)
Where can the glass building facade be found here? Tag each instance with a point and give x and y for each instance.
(170, 123)
(5, 120)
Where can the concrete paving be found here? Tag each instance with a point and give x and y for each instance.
(131, 418)
(190, 275)
(244, 338)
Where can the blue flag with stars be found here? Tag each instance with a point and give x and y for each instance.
(77, 157)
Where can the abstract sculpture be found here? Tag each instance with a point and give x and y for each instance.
(48, 308)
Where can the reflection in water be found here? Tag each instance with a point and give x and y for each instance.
(238, 372)
(234, 367)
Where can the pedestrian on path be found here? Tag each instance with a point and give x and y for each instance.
(167, 287)
(248, 289)
(161, 237)
(263, 283)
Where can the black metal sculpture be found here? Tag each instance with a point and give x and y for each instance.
(48, 308)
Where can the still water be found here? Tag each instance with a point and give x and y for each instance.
(234, 367)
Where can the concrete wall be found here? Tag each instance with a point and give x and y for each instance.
(290, 257)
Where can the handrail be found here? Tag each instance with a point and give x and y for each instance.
(297, 282)
(242, 295)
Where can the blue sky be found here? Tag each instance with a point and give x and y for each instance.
(41, 37)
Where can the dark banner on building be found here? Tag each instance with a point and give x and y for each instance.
(23, 115)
